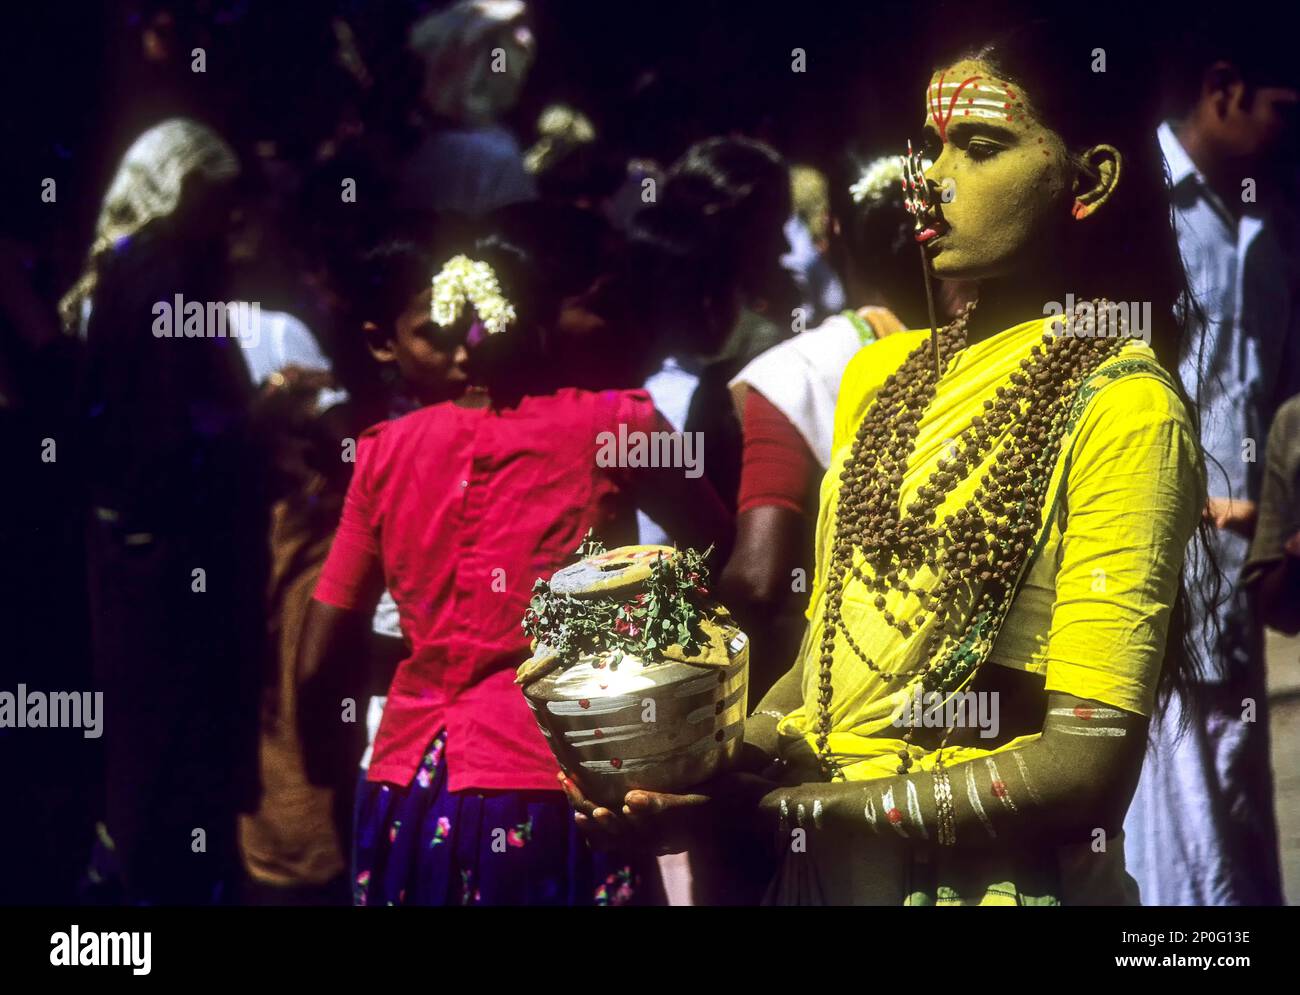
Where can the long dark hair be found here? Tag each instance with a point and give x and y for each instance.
(1129, 251)
(738, 190)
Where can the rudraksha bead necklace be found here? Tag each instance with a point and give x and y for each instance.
(976, 553)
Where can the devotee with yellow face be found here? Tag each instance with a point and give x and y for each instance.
(1006, 536)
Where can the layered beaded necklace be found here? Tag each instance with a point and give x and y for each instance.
(981, 548)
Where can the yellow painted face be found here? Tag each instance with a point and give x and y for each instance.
(1003, 180)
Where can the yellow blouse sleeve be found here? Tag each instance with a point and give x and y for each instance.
(1134, 494)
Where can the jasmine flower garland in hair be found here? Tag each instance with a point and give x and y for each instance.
(879, 180)
(468, 281)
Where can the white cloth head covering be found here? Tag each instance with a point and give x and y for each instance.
(456, 46)
(148, 185)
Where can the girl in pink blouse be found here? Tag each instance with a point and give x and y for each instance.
(459, 507)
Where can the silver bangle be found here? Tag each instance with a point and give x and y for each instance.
(944, 804)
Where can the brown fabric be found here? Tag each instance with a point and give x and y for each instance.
(291, 839)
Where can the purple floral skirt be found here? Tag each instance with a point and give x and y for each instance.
(421, 844)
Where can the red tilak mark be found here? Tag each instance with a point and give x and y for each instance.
(598, 733)
(942, 122)
(616, 763)
(999, 789)
(894, 816)
(1083, 712)
(584, 703)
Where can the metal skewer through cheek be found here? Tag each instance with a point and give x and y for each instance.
(929, 303)
(917, 200)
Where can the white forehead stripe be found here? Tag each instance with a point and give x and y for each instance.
(994, 112)
(949, 87)
(973, 97)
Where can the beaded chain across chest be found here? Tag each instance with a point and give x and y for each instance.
(977, 552)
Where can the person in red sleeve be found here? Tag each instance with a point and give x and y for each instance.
(459, 507)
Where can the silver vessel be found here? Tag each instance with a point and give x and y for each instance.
(618, 724)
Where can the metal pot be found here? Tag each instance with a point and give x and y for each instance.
(661, 726)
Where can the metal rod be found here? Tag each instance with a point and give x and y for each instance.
(919, 202)
(929, 303)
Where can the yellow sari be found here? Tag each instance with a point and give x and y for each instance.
(1092, 608)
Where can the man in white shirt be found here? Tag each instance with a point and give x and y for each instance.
(1201, 829)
